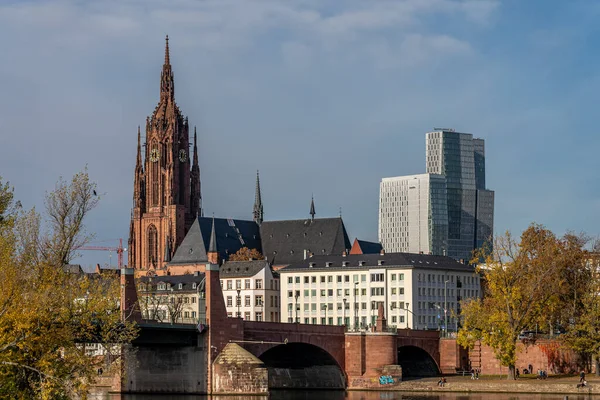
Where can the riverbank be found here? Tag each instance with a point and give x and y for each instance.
(495, 384)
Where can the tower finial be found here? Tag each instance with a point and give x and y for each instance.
(213, 252)
(167, 58)
(257, 212)
(312, 207)
(139, 148)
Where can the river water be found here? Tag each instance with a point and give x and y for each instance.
(341, 395)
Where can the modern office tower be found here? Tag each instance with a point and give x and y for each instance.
(413, 214)
(461, 159)
(448, 210)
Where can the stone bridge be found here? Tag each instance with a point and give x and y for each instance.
(231, 355)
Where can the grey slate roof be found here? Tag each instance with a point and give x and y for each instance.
(231, 235)
(388, 260)
(192, 249)
(284, 242)
(369, 247)
(186, 281)
(242, 269)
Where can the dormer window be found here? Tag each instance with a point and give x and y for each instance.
(379, 262)
(162, 286)
(361, 263)
(344, 263)
(312, 264)
(180, 286)
(328, 264)
(194, 285)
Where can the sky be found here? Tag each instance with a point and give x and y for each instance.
(323, 97)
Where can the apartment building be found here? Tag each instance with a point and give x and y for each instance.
(251, 290)
(418, 291)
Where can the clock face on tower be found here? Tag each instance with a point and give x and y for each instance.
(182, 155)
(154, 155)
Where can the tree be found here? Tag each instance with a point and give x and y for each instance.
(66, 208)
(526, 282)
(245, 254)
(46, 314)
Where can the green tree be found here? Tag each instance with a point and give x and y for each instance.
(526, 283)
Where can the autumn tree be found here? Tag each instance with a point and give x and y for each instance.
(527, 283)
(245, 254)
(46, 314)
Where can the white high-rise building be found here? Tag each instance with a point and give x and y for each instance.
(413, 214)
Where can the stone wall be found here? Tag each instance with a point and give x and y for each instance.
(165, 369)
(542, 354)
(237, 371)
(453, 357)
(317, 377)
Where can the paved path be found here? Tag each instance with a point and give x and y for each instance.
(528, 384)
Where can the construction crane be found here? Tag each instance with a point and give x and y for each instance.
(119, 250)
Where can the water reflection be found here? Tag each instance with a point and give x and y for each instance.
(341, 395)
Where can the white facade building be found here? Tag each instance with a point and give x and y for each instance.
(413, 214)
(250, 290)
(415, 289)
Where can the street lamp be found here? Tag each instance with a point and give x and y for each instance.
(355, 306)
(239, 303)
(324, 307)
(296, 297)
(445, 309)
(344, 311)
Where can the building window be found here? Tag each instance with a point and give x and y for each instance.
(194, 285)
(323, 292)
(297, 279)
(306, 279)
(259, 316)
(247, 284)
(313, 279)
(393, 290)
(290, 280)
(377, 277)
(322, 279)
(259, 301)
(378, 291)
(229, 301)
(229, 285)
(393, 277)
(259, 283)
(238, 284)
(247, 301)
(330, 279)
(193, 314)
(193, 300)
(152, 245)
(363, 278)
(346, 278)
(339, 279)
(247, 316)
(290, 293)
(401, 277)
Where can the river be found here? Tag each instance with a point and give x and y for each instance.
(353, 395)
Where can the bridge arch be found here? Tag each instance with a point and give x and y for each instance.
(302, 365)
(416, 362)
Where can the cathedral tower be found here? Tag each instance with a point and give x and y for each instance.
(166, 193)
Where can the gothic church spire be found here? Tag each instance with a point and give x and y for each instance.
(167, 85)
(312, 208)
(257, 212)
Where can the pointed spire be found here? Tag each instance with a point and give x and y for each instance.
(167, 87)
(195, 147)
(257, 212)
(312, 208)
(167, 58)
(212, 247)
(139, 149)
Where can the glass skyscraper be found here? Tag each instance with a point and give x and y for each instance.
(448, 210)
(461, 159)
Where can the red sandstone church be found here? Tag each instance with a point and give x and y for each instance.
(169, 233)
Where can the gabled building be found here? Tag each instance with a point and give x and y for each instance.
(364, 247)
(173, 299)
(251, 290)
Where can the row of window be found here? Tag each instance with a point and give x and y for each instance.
(258, 301)
(379, 277)
(258, 284)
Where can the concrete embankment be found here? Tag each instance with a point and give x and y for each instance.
(487, 385)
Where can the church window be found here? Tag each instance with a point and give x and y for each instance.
(152, 245)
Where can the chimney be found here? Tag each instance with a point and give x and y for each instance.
(310, 255)
(382, 252)
(420, 252)
(462, 261)
(344, 253)
(305, 254)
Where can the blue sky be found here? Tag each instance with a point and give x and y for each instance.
(323, 97)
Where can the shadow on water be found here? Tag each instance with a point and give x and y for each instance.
(341, 395)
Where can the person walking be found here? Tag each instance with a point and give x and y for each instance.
(581, 376)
